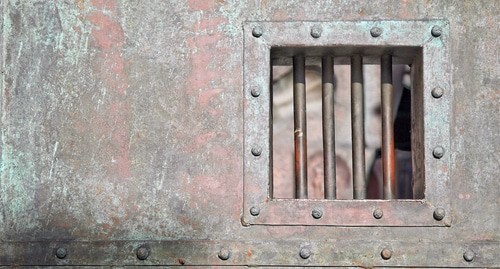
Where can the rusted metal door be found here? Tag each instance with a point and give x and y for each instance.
(146, 133)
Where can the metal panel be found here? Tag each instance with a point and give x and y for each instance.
(122, 127)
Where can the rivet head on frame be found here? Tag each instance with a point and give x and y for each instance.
(437, 92)
(254, 211)
(438, 152)
(61, 253)
(317, 213)
(305, 253)
(378, 213)
(439, 213)
(469, 255)
(256, 151)
(436, 31)
(386, 253)
(142, 253)
(376, 31)
(255, 92)
(316, 31)
(257, 31)
(224, 254)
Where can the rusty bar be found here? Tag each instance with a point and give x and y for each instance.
(358, 129)
(388, 161)
(328, 128)
(300, 129)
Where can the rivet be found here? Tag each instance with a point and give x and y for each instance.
(469, 255)
(378, 213)
(255, 92)
(254, 211)
(436, 31)
(376, 31)
(256, 151)
(61, 253)
(437, 92)
(142, 253)
(439, 213)
(305, 253)
(257, 31)
(224, 254)
(438, 152)
(386, 253)
(317, 213)
(316, 31)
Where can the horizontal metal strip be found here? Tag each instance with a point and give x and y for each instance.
(254, 253)
(348, 213)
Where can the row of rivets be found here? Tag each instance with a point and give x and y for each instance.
(224, 253)
(316, 31)
(317, 213)
(439, 213)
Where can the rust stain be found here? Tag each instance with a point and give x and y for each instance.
(206, 96)
(203, 5)
(107, 32)
(108, 37)
(208, 24)
(110, 5)
(80, 4)
(201, 73)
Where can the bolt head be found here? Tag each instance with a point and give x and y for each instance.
(257, 31)
(61, 253)
(305, 253)
(142, 253)
(439, 213)
(316, 31)
(436, 31)
(256, 151)
(378, 213)
(255, 92)
(438, 152)
(437, 92)
(469, 255)
(224, 254)
(254, 211)
(317, 213)
(376, 32)
(386, 253)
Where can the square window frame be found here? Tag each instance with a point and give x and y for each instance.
(430, 117)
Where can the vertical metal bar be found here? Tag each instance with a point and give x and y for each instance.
(300, 129)
(328, 128)
(388, 159)
(358, 128)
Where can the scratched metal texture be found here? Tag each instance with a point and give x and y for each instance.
(122, 126)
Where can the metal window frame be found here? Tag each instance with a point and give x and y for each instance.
(430, 117)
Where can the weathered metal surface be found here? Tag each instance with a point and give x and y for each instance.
(122, 127)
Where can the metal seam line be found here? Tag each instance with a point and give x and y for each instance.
(388, 161)
(358, 129)
(300, 127)
(328, 115)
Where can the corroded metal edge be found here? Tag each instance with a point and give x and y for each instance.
(258, 206)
